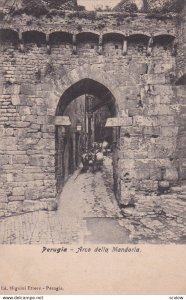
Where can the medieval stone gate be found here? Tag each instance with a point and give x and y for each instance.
(134, 61)
(101, 97)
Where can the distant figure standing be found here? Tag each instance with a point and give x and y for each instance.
(105, 146)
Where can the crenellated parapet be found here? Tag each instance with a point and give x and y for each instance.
(96, 28)
(20, 39)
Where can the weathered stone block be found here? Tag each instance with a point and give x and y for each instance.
(142, 169)
(3, 206)
(16, 100)
(16, 198)
(155, 79)
(129, 143)
(32, 169)
(164, 184)
(49, 204)
(27, 89)
(45, 143)
(16, 89)
(3, 198)
(48, 128)
(20, 159)
(25, 100)
(183, 173)
(127, 196)
(155, 173)
(151, 131)
(2, 131)
(10, 177)
(24, 110)
(19, 124)
(145, 121)
(41, 120)
(127, 163)
(4, 159)
(138, 154)
(2, 214)
(171, 174)
(15, 207)
(3, 145)
(29, 205)
(18, 191)
(149, 185)
(40, 160)
(9, 131)
(33, 194)
(50, 183)
(169, 131)
(142, 173)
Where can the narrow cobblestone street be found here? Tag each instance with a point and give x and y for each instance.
(85, 198)
(88, 213)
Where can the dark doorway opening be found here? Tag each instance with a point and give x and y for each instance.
(88, 119)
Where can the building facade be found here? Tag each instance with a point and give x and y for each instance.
(132, 62)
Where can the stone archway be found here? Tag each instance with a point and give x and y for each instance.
(87, 86)
(104, 98)
(65, 79)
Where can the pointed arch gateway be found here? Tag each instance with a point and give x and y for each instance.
(90, 87)
(65, 141)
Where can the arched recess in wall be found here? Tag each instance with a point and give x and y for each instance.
(103, 97)
(113, 43)
(61, 43)
(87, 41)
(59, 37)
(87, 86)
(137, 43)
(163, 42)
(9, 36)
(34, 37)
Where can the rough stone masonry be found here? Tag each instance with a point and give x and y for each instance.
(137, 55)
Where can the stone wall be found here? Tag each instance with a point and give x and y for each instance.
(36, 72)
(181, 139)
(180, 92)
(69, 144)
(181, 45)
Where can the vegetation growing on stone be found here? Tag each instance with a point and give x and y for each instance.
(127, 6)
(62, 4)
(34, 7)
(163, 6)
(50, 8)
(150, 6)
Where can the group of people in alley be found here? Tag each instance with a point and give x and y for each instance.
(92, 159)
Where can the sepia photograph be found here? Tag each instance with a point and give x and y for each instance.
(93, 122)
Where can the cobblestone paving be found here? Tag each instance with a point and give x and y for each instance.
(156, 219)
(88, 213)
(86, 195)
